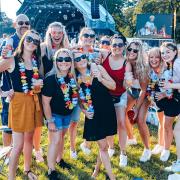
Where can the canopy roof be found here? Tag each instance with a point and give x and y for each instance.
(106, 21)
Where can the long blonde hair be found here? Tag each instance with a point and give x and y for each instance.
(141, 67)
(55, 69)
(48, 41)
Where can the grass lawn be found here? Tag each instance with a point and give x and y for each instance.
(84, 165)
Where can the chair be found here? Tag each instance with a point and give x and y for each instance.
(3, 156)
(4, 151)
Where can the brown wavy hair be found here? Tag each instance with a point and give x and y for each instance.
(20, 50)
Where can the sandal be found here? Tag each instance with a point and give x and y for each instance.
(30, 175)
(95, 173)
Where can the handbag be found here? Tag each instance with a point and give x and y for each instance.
(130, 115)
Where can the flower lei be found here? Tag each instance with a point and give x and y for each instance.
(65, 89)
(86, 97)
(154, 80)
(23, 76)
(91, 50)
(89, 54)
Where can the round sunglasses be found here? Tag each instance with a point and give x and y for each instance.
(20, 23)
(134, 50)
(78, 59)
(89, 35)
(118, 45)
(105, 42)
(65, 59)
(29, 39)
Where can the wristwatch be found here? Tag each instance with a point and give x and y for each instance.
(51, 120)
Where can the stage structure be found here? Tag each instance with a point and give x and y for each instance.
(74, 14)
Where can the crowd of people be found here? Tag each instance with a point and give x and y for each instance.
(111, 84)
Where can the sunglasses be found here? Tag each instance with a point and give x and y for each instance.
(78, 59)
(118, 45)
(131, 49)
(65, 59)
(20, 23)
(105, 42)
(29, 39)
(89, 35)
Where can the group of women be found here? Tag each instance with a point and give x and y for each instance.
(112, 85)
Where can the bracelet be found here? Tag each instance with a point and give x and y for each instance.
(51, 120)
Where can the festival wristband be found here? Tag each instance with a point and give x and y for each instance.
(51, 120)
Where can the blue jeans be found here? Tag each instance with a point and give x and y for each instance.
(4, 113)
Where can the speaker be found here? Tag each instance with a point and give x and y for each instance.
(95, 9)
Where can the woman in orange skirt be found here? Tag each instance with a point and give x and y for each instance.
(24, 111)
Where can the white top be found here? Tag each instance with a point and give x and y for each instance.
(176, 71)
(136, 84)
(150, 26)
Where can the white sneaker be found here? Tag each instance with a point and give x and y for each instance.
(123, 160)
(38, 155)
(164, 155)
(111, 152)
(131, 141)
(175, 167)
(73, 154)
(6, 161)
(146, 155)
(85, 150)
(157, 149)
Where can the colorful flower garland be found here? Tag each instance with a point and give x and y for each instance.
(65, 89)
(90, 50)
(89, 54)
(23, 76)
(86, 97)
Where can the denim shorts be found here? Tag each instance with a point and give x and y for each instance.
(4, 114)
(75, 116)
(123, 100)
(134, 92)
(61, 122)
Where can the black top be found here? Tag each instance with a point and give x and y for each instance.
(16, 78)
(104, 122)
(52, 89)
(47, 64)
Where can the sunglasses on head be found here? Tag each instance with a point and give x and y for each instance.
(131, 49)
(29, 39)
(20, 23)
(118, 45)
(89, 35)
(105, 42)
(65, 59)
(78, 59)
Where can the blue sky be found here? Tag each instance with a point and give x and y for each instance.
(10, 7)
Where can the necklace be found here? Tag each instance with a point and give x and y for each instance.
(90, 50)
(23, 76)
(85, 98)
(70, 104)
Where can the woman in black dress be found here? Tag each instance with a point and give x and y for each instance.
(97, 105)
